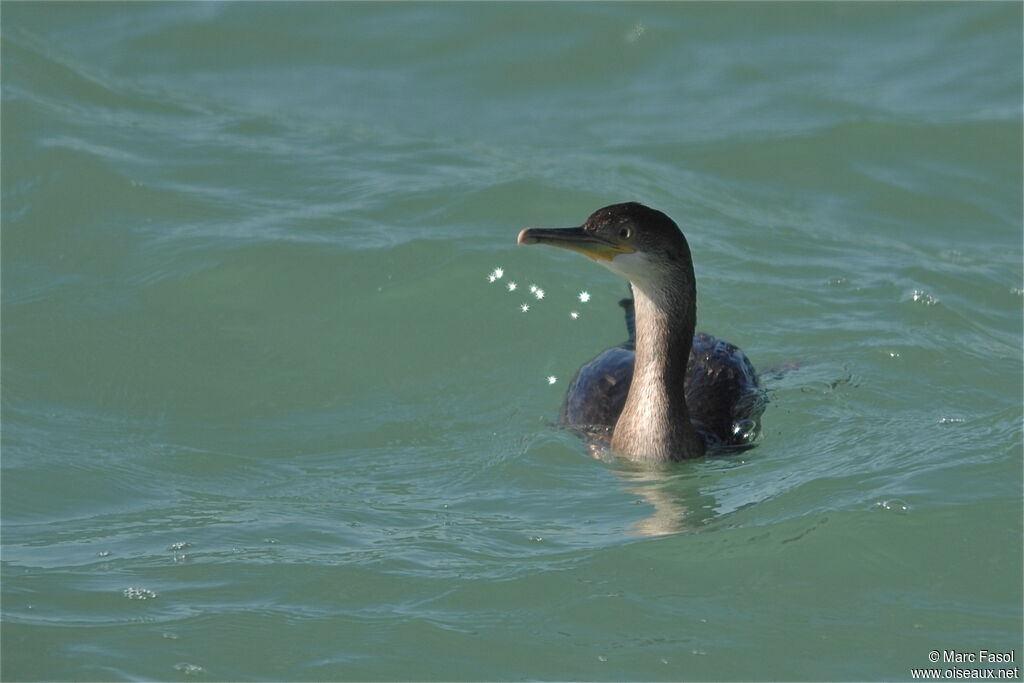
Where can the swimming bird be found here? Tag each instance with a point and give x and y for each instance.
(665, 394)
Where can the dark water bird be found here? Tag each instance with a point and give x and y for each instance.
(666, 393)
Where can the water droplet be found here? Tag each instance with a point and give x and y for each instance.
(180, 545)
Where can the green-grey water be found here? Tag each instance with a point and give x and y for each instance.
(265, 418)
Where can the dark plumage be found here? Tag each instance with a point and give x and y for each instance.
(722, 391)
(666, 393)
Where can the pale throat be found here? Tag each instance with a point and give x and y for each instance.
(663, 341)
(655, 423)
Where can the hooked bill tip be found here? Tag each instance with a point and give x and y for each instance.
(525, 237)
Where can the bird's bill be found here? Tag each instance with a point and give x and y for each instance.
(575, 239)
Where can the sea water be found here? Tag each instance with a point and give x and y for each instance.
(265, 417)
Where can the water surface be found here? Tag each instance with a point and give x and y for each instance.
(264, 417)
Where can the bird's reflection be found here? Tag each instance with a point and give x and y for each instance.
(673, 491)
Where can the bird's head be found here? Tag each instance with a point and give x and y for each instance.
(639, 243)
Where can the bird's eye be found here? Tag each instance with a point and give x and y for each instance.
(625, 233)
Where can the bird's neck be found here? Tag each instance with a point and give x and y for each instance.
(654, 425)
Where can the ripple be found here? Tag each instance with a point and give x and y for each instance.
(893, 505)
(189, 669)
